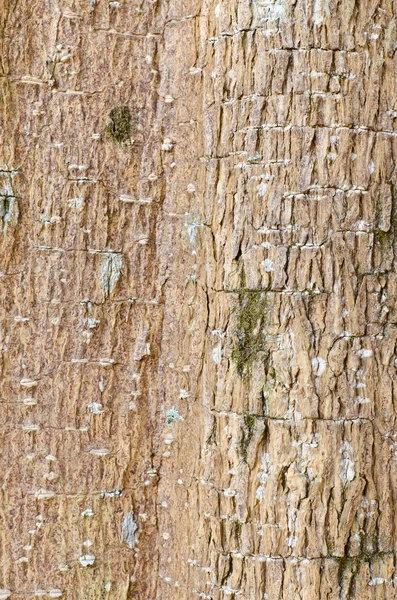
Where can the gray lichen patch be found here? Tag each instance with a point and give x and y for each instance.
(172, 416)
(270, 10)
(9, 211)
(8, 207)
(111, 271)
(120, 124)
(255, 158)
(193, 222)
(128, 530)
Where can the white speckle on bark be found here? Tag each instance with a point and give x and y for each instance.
(20, 319)
(228, 591)
(76, 202)
(292, 541)
(96, 408)
(361, 400)
(28, 383)
(8, 202)
(347, 473)
(29, 401)
(91, 322)
(262, 189)
(30, 427)
(111, 271)
(268, 265)
(87, 560)
(169, 438)
(192, 223)
(270, 10)
(318, 366)
(45, 495)
(74, 167)
(116, 493)
(64, 567)
(128, 530)
(106, 362)
(263, 475)
(364, 353)
(260, 492)
(362, 226)
(142, 348)
(377, 581)
(320, 11)
(99, 451)
(217, 354)
(4, 594)
(167, 145)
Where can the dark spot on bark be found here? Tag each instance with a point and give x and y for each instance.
(120, 124)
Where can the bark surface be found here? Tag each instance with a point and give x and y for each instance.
(198, 229)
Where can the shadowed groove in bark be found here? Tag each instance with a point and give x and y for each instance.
(247, 432)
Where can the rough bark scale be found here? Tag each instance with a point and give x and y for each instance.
(198, 327)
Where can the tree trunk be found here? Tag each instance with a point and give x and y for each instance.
(198, 221)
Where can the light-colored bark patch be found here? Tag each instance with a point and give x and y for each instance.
(128, 530)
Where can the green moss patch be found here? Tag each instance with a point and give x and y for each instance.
(120, 125)
(252, 316)
(247, 432)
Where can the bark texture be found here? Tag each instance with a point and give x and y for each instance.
(198, 229)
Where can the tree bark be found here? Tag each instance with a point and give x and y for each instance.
(198, 219)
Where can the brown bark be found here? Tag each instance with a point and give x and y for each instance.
(198, 299)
